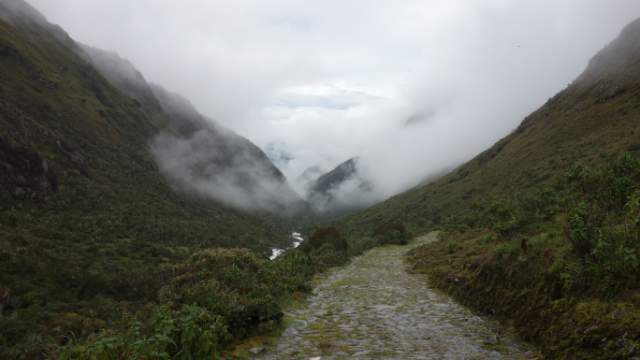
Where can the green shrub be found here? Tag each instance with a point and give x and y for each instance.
(359, 245)
(583, 229)
(602, 226)
(488, 239)
(507, 250)
(214, 297)
(632, 214)
(502, 217)
(614, 264)
(292, 271)
(327, 256)
(453, 246)
(233, 283)
(391, 233)
(326, 236)
(189, 333)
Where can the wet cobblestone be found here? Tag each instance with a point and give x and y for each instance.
(374, 309)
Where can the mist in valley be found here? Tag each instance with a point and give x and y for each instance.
(216, 166)
(411, 89)
(199, 179)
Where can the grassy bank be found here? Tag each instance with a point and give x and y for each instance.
(563, 267)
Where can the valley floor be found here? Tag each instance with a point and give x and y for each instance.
(374, 309)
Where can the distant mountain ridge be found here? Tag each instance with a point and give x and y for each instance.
(341, 190)
(336, 177)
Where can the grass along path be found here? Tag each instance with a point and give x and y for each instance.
(374, 309)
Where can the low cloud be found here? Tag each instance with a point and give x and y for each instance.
(327, 81)
(226, 168)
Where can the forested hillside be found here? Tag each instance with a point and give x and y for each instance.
(91, 218)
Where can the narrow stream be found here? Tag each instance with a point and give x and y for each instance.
(374, 309)
(296, 240)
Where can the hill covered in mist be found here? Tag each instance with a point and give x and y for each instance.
(196, 153)
(541, 230)
(592, 120)
(340, 191)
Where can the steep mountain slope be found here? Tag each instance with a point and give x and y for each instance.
(340, 190)
(121, 74)
(84, 133)
(89, 223)
(195, 152)
(593, 119)
(542, 229)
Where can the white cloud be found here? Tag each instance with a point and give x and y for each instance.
(329, 80)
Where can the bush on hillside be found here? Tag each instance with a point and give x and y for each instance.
(602, 222)
(583, 229)
(231, 283)
(213, 298)
(190, 332)
(326, 247)
(291, 272)
(358, 245)
(391, 233)
(503, 217)
(326, 236)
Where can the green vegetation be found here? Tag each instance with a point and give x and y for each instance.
(102, 258)
(214, 299)
(561, 262)
(90, 230)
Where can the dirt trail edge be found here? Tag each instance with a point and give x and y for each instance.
(374, 309)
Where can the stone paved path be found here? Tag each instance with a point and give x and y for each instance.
(374, 309)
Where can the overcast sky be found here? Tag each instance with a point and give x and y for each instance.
(410, 86)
